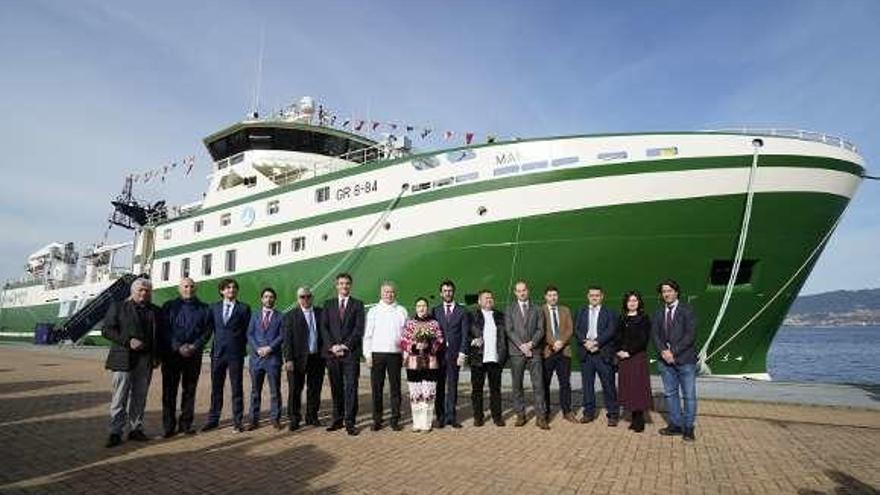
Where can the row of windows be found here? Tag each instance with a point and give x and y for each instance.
(207, 265)
(272, 208)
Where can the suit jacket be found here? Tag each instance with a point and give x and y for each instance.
(606, 328)
(230, 338)
(456, 329)
(566, 329)
(123, 323)
(186, 322)
(348, 330)
(296, 336)
(271, 336)
(475, 355)
(521, 330)
(682, 336)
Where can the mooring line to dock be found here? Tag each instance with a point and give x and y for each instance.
(737, 259)
(784, 286)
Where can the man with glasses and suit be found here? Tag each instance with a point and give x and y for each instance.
(302, 359)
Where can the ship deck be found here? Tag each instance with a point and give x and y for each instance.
(752, 437)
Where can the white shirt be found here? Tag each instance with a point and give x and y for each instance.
(593, 329)
(384, 328)
(490, 338)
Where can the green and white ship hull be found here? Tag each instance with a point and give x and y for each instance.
(620, 211)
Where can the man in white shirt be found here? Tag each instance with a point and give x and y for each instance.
(385, 322)
(488, 346)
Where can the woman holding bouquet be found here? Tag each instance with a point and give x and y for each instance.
(421, 342)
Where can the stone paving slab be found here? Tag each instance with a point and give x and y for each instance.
(53, 421)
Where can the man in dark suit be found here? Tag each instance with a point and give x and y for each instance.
(342, 331)
(524, 325)
(487, 354)
(595, 326)
(455, 322)
(231, 319)
(558, 329)
(134, 328)
(188, 325)
(302, 359)
(674, 332)
(265, 335)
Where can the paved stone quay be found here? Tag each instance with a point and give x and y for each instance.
(53, 423)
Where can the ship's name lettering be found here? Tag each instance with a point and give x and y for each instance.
(505, 159)
(357, 189)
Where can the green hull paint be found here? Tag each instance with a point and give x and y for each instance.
(619, 247)
(24, 319)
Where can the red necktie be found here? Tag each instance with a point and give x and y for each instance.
(448, 311)
(265, 321)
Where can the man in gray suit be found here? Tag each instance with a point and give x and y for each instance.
(524, 325)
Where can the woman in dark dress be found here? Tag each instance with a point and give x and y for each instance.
(634, 387)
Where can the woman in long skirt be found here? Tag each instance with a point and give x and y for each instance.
(421, 342)
(634, 380)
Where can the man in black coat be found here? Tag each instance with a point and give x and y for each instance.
(455, 322)
(488, 352)
(342, 332)
(133, 328)
(188, 326)
(302, 359)
(674, 332)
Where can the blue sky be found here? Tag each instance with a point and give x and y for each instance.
(93, 90)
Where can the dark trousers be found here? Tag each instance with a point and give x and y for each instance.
(258, 375)
(310, 377)
(176, 371)
(560, 364)
(478, 379)
(344, 373)
(219, 368)
(592, 365)
(447, 390)
(386, 363)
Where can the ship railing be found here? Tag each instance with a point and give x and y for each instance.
(805, 135)
(342, 162)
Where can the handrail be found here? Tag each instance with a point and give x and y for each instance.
(805, 135)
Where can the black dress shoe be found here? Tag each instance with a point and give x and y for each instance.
(169, 434)
(499, 422)
(210, 426)
(239, 429)
(113, 441)
(313, 422)
(688, 435)
(437, 424)
(670, 431)
(588, 418)
(276, 425)
(351, 430)
(612, 422)
(455, 425)
(376, 427)
(138, 436)
(396, 427)
(293, 426)
(334, 427)
(478, 421)
(189, 431)
(253, 426)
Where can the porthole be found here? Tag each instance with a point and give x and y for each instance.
(349, 232)
(481, 210)
(387, 225)
(323, 237)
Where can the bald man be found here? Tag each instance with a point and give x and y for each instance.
(188, 326)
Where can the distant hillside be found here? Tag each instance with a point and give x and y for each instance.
(837, 308)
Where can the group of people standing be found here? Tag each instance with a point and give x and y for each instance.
(432, 345)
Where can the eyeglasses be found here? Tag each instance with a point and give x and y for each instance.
(306, 296)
